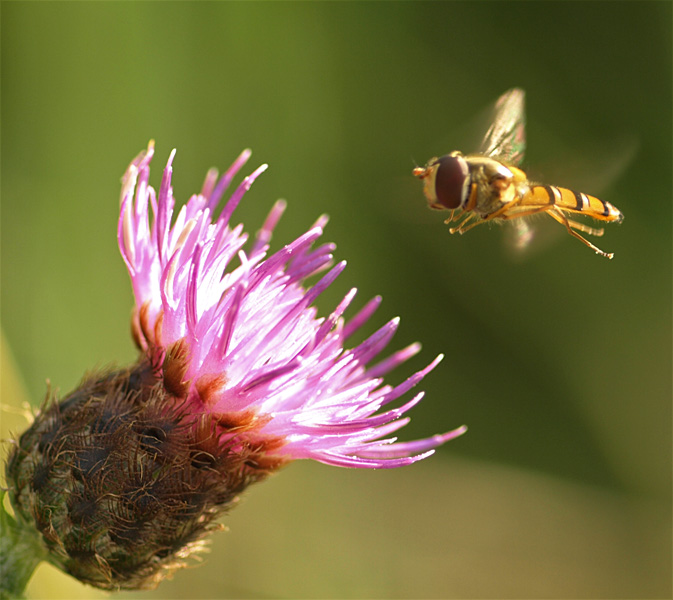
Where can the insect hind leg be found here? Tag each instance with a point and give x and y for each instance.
(598, 232)
(556, 214)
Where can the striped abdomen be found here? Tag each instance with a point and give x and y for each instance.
(568, 200)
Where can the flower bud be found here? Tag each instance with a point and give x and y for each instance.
(123, 481)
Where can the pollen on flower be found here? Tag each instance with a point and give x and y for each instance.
(237, 375)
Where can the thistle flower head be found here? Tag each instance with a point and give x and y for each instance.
(236, 334)
(237, 375)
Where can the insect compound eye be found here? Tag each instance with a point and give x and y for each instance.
(451, 181)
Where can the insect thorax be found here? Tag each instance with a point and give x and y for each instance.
(497, 184)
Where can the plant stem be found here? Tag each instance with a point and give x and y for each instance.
(20, 553)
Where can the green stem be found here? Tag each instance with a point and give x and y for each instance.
(20, 553)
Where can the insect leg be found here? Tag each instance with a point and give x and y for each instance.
(498, 214)
(453, 216)
(561, 218)
(461, 227)
(586, 229)
(525, 212)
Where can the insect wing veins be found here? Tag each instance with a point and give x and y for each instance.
(506, 137)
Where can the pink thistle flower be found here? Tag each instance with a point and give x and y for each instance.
(251, 346)
(237, 375)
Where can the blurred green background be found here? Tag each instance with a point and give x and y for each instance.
(560, 362)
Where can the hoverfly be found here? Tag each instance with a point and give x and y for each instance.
(489, 186)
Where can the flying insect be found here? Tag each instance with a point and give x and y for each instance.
(490, 186)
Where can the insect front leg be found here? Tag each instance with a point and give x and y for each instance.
(463, 226)
(454, 215)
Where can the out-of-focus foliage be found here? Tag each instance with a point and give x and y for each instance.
(559, 363)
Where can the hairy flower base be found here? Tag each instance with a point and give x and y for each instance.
(123, 481)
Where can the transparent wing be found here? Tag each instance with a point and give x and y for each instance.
(506, 137)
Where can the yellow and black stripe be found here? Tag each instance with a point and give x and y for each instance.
(569, 200)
